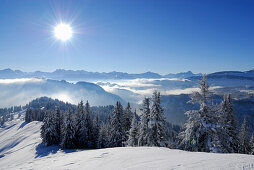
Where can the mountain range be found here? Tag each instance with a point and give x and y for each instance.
(61, 74)
(21, 91)
(77, 75)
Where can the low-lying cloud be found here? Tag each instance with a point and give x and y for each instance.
(22, 80)
(145, 87)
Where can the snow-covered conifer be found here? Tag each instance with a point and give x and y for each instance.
(200, 132)
(127, 120)
(252, 145)
(243, 139)
(95, 132)
(229, 125)
(89, 125)
(28, 115)
(157, 123)
(108, 130)
(143, 128)
(68, 136)
(80, 126)
(48, 130)
(58, 123)
(133, 132)
(103, 136)
(117, 132)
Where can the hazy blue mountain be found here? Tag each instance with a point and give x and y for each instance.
(242, 75)
(61, 74)
(21, 91)
(182, 75)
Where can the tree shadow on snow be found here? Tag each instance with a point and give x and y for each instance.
(73, 150)
(70, 150)
(6, 128)
(22, 125)
(42, 150)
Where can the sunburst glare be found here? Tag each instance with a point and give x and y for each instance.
(63, 32)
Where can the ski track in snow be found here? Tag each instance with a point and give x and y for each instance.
(21, 148)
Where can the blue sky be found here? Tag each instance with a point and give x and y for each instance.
(163, 36)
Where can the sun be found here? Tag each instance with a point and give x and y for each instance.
(63, 31)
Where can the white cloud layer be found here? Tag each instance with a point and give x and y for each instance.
(22, 80)
(145, 87)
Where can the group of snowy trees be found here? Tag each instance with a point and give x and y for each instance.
(151, 130)
(34, 115)
(213, 127)
(6, 114)
(84, 130)
(71, 130)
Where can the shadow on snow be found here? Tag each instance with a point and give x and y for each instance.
(22, 125)
(42, 150)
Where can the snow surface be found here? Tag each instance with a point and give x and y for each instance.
(21, 148)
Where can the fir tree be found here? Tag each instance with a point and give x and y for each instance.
(28, 115)
(252, 145)
(133, 133)
(68, 140)
(243, 139)
(58, 123)
(230, 138)
(88, 123)
(108, 128)
(157, 122)
(3, 120)
(117, 133)
(200, 132)
(48, 130)
(103, 136)
(80, 126)
(143, 129)
(127, 120)
(95, 132)
(105, 133)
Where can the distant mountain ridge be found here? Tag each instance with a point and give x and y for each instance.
(237, 75)
(82, 75)
(60, 74)
(21, 92)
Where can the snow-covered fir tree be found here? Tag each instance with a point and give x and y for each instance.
(49, 133)
(95, 132)
(127, 120)
(117, 132)
(157, 123)
(105, 133)
(3, 119)
(80, 127)
(133, 132)
(230, 139)
(243, 138)
(89, 124)
(103, 136)
(251, 145)
(68, 136)
(143, 128)
(28, 115)
(58, 121)
(200, 132)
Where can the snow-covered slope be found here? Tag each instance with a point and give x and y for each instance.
(21, 148)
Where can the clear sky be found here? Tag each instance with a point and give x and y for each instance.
(163, 36)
